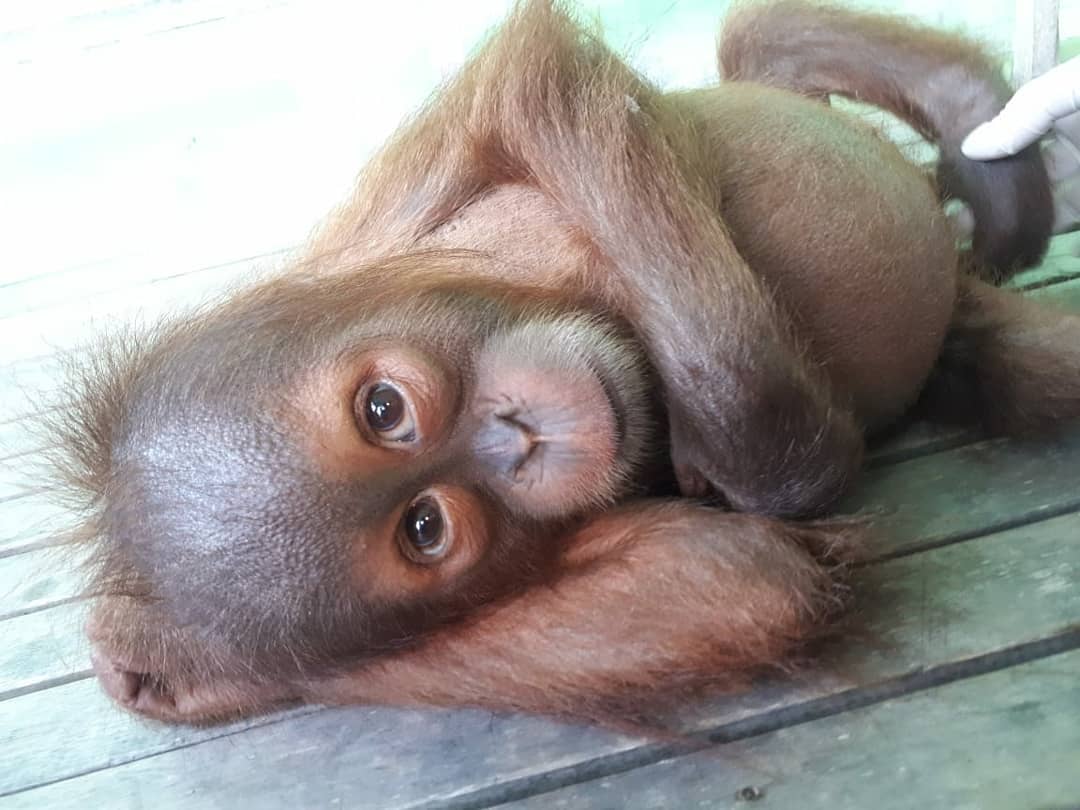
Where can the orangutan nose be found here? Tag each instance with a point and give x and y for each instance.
(505, 443)
(121, 679)
(121, 684)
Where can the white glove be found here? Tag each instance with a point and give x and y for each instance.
(1047, 103)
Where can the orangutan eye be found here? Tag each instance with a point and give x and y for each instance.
(425, 530)
(387, 412)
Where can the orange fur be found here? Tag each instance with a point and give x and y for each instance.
(761, 275)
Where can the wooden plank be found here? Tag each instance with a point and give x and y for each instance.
(144, 273)
(933, 610)
(190, 235)
(1062, 262)
(979, 488)
(180, 157)
(918, 439)
(30, 522)
(15, 484)
(1035, 39)
(25, 473)
(165, 147)
(36, 580)
(43, 648)
(1065, 295)
(17, 442)
(27, 336)
(25, 387)
(39, 30)
(1001, 741)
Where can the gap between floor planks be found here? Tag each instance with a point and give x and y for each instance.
(963, 625)
(69, 676)
(1010, 488)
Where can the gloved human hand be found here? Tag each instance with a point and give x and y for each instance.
(1047, 104)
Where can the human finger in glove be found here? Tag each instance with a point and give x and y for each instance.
(1048, 104)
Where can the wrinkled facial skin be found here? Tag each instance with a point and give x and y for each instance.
(311, 476)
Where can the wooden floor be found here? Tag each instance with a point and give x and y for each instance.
(123, 190)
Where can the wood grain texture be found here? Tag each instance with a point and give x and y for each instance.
(1065, 295)
(29, 522)
(150, 155)
(41, 649)
(35, 581)
(1035, 39)
(922, 613)
(1001, 741)
(972, 490)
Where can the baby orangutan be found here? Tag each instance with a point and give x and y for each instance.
(426, 464)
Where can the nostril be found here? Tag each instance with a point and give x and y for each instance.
(505, 443)
(121, 684)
